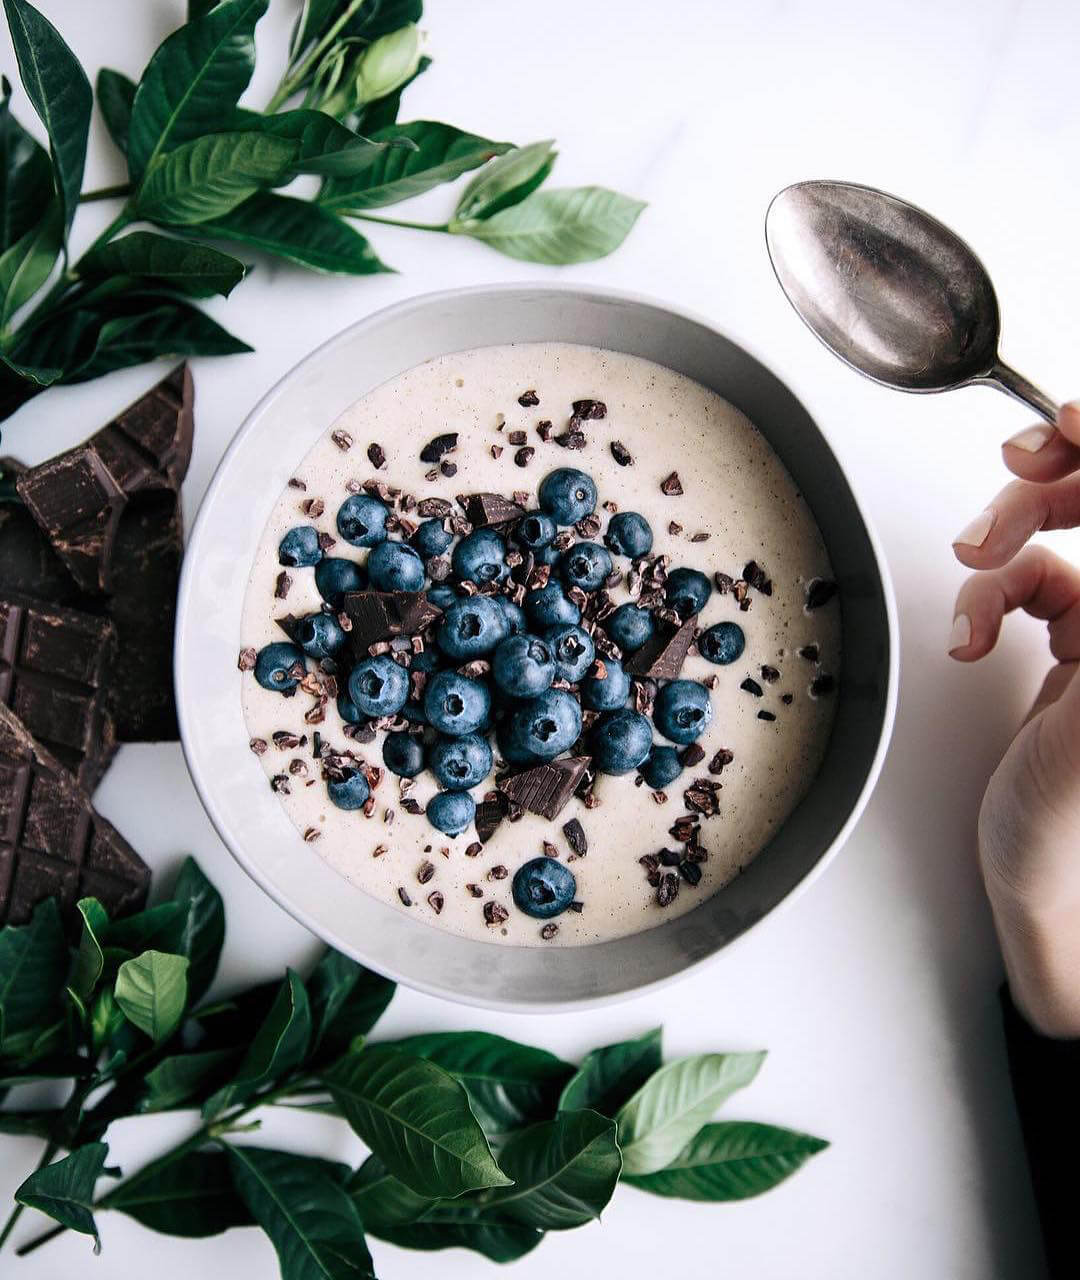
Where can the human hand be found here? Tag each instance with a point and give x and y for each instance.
(1029, 822)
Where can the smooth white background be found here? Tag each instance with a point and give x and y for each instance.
(876, 992)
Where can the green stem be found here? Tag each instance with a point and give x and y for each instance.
(400, 222)
(106, 193)
(291, 83)
(51, 1149)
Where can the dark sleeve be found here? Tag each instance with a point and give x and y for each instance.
(1046, 1082)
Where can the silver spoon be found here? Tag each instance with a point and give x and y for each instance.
(891, 291)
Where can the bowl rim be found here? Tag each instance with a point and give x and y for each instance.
(181, 645)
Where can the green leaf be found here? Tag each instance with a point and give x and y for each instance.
(731, 1161)
(415, 1117)
(509, 1084)
(352, 75)
(381, 17)
(65, 1190)
(192, 81)
(561, 226)
(199, 8)
(564, 1171)
(176, 1080)
(193, 269)
(442, 154)
(675, 1102)
(204, 927)
(206, 178)
(308, 1216)
(115, 96)
(383, 113)
(28, 1124)
(314, 18)
(89, 960)
(506, 181)
(298, 231)
(152, 991)
(26, 183)
(33, 966)
(325, 145)
(382, 1200)
(106, 1019)
(191, 1196)
(346, 1001)
(29, 262)
(159, 928)
(280, 1044)
(57, 86)
(611, 1075)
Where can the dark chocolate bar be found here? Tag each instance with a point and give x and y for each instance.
(546, 788)
(52, 842)
(382, 615)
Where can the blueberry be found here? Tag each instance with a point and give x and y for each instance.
(543, 727)
(548, 606)
(451, 811)
(349, 792)
(535, 530)
(361, 520)
(567, 495)
(630, 627)
(523, 666)
(442, 597)
(299, 549)
(426, 661)
(687, 591)
(543, 888)
(480, 557)
(454, 704)
(514, 614)
(334, 576)
(606, 692)
(460, 763)
(573, 650)
(629, 534)
(620, 741)
(272, 666)
(682, 710)
(378, 686)
(548, 555)
(472, 627)
(585, 565)
(662, 767)
(403, 754)
(394, 566)
(320, 635)
(347, 709)
(722, 643)
(431, 539)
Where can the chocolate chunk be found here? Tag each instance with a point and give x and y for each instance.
(575, 837)
(489, 814)
(524, 456)
(54, 663)
(376, 455)
(546, 788)
(754, 576)
(662, 657)
(433, 451)
(528, 399)
(489, 508)
(52, 842)
(589, 410)
(433, 507)
(382, 615)
(621, 454)
(671, 485)
(517, 437)
(820, 591)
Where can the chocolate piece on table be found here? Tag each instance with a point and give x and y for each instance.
(489, 508)
(546, 788)
(662, 656)
(28, 564)
(382, 615)
(79, 497)
(54, 663)
(52, 842)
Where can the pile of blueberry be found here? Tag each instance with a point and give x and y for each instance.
(524, 670)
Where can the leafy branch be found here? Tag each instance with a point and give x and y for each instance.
(202, 168)
(476, 1141)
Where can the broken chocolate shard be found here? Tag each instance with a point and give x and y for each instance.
(662, 657)
(546, 788)
(54, 663)
(382, 615)
(52, 842)
(489, 508)
(489, 814)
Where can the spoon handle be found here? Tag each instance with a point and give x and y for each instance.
(1016, 385)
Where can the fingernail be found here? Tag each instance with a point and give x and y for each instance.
(1031, 440)
(976, 533)
(960, 635)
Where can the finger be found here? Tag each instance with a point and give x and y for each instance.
(1019, 510)
(1057, 681)
(1037, 581)
(1043, 453)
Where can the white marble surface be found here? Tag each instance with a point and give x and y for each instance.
(876, 992)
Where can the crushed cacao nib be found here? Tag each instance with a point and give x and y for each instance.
(498, 872)
(766, 715)
(376, 455)
(437, 507)
(246, 660)
(449, 469)
(575, 837)
(589, 410)
(517, 437)
(496, 451)
(751, 686)
(296, 483)
(437, 568)
(528, 399)
(700, 536)
(406, 901)
(610, 507)
(343, 440)
(313, 507)
(436, 901)
(280, 783)
(621, 454)
(431, 475)
(500, 421)
(326, 542)
(684, 829)
(787, 699)
(475, 669)
(588, 526)
(282, 583)
(433, 451)
(674, 528)
(353, 486)
(425, 871)
(692, 755)
(822, 685)
(284, 740)
(576, 907)
(258, 746)
(388, 817)
(769, 674)
(495, 913)
(644, 694)
(521, 497)
(571, 440)
(379, 850)
(312, 833)
(474, 850)
(720, 761)
(810, 652)
(650, 861)
(754, 576)
(524, 456)
(701, 797)
(723, 582)
(549, 930)
(819, 591)
(671, 485)
(659, 797)
(668, 889)
(411, 805)
(668, 857)
(709, 682)
(690, 872)
(362, 733)
(544, 429)
(563, 541)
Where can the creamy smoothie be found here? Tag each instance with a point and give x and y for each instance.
(718, 501)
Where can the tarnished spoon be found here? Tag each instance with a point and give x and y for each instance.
(890, 290)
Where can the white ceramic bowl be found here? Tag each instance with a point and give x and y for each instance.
(232, 785)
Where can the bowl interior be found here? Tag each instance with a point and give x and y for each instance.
(251, 476)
